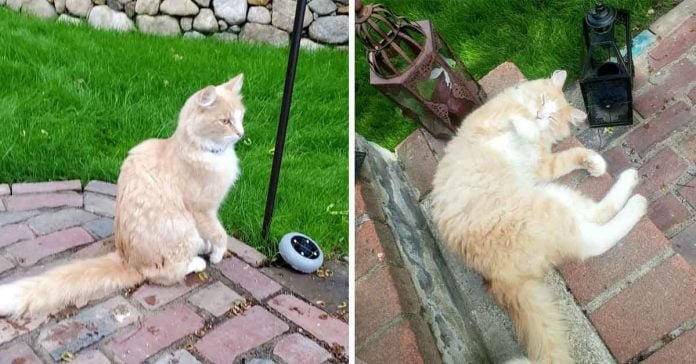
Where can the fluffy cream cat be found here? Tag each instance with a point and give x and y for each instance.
(496, 206)
(169, 192)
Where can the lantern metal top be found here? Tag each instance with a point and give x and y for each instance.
(601, 18)
(392, 42)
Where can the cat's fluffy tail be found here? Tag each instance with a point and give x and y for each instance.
(61, 286)
(537, 320)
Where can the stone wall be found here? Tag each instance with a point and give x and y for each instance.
(267, 21)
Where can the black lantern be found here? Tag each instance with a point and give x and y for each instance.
(607, 76)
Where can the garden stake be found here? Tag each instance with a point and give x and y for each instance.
(284, 114)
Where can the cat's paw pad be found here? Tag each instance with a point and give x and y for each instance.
(630, 177)
(637, 204)
(217, 254)
(595, 165)
(196, 265)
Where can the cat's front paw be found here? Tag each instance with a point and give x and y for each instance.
(595, 164)
(217, 254)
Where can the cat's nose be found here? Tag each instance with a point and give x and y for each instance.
(240, 135)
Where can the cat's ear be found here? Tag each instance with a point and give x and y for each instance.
(235, 84)
(207, 96)
(577, 116)
(558, 78)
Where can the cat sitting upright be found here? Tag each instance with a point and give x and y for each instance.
(496, 206)
(169, 193)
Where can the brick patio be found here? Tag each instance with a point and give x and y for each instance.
(233, 314)
(641, 295)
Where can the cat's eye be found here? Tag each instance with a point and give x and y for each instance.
(226, 121)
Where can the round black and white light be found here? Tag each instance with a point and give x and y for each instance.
(301, 252)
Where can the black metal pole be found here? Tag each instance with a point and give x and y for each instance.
(284, 115)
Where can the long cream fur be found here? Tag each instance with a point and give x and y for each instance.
(496, 206)
(169, 192)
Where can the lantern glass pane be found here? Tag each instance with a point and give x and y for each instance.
(410, 106)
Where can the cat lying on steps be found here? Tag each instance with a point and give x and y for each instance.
(496, 206)
(169, 193)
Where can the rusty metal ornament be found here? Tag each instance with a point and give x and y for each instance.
(412, 65)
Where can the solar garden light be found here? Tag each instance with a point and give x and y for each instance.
(297, 249)
(607, 75)
(415, 68)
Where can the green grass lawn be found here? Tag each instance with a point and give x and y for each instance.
(74, 100)
(539, 36)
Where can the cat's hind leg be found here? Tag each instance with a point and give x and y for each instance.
(598, 238)
(617, 196)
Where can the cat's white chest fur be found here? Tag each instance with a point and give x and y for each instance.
(225, 163)
(518, 152)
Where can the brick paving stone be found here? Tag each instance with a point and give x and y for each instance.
(297, 349)
(685, 244)
(398, 344)
(326, 328)
(395, 296)
(101, 228)
(178, 357)
(153, 296)
(675, 79)
(216, 298)
(240, 334)
(689, 191)
(660, 171)
(669, 22)
(678, 351)
(332, 291)
(100, 204)
(46, 187)
(692, 95)
(672, 47)
(667, 211)
(49, 222)
(7, 218)
(2, 206)
(617, 161)
(245, 252)
(688, 147)
(42, 200)
(96, 249)
(437, 146)
(87, 327)
(369, 251)
(10, 329)
(590, 278)
(104, 188)
(4, 189)
(31, 251)
(498, 79)
(648, 309)
(675, 118)
(249, 278)
(418, 162)
(90, 357)
(156, 333)
(596, 187)
(18, 353)
(360, 206)
(5, 264)
(11, 234)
